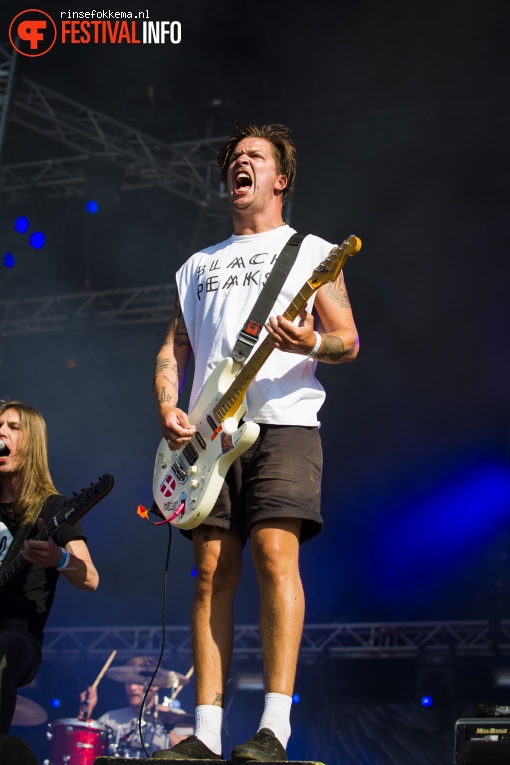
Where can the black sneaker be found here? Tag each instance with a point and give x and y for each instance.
(190, 748)
(264, 747)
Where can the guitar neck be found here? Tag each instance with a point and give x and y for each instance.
(233, 397)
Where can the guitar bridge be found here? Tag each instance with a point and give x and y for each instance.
(180, 470)
(190, 453)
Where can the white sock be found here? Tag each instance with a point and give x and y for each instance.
(276, 716)
(208, 722)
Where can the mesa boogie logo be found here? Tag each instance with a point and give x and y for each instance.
(491, 731)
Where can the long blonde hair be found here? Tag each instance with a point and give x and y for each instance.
(35, 479)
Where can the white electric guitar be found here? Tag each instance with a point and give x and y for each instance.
(186, 482)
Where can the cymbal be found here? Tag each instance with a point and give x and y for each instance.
(165, 678)
(174, 716)
(27, 712)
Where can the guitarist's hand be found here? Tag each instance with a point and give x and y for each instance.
(290, 337)
(44, 554)
(176, 428)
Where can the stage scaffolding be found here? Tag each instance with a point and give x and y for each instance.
(380, 640)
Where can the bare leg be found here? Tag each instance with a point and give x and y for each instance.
(218, 557)
(275, 550)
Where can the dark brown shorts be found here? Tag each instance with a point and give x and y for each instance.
(278, 477)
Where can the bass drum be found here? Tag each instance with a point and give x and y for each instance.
(77, 742)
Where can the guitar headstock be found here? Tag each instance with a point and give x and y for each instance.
(86, 499)
(329, 269)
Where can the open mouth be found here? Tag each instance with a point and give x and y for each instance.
(243, 181)
(5, 451)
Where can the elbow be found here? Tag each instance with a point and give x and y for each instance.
(91, 582)
(353, 350)
(94, 582)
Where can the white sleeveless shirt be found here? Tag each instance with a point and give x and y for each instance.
(217, 290)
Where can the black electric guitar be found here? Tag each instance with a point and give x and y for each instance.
(186, 482)
(72, 511)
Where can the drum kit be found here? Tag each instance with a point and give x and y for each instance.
(78, 741)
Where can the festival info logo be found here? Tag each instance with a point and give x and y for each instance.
(32, 33)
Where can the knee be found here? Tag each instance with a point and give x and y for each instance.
(275, 554)
(217, 573)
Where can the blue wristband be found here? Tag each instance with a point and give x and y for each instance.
(63, 558)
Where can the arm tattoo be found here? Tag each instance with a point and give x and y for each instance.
(163, 397)
(177, 332)
(337, 292)
(175, 381)
(160, 365)
(333, 348)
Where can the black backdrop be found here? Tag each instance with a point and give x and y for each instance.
(400, 114)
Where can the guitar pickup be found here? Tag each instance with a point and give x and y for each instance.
(190, 453)
(200, 439)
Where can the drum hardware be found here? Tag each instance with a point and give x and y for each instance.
(170, 715)
(128, 744)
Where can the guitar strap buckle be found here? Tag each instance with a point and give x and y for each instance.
(248, 336)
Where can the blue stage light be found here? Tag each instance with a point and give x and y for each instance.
(194, 571)
(8, 260)
(21, 224)
(426, 701)
(92, 206)
(55, 703)
(424, 538)
(37, 240)
(296, 698)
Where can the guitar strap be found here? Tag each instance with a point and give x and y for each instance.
(22, 532)
(249, 334)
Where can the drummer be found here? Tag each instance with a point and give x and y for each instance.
(124, 721)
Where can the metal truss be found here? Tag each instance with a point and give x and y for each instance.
(392, 640)
(55, 178)
(186, 169)
(120, 307)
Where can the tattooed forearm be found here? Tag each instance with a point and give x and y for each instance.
(337, 292)
(159, 367)
(177, 332)
(333, 349)
(172, 378)
(163, 397)
(163, 364)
